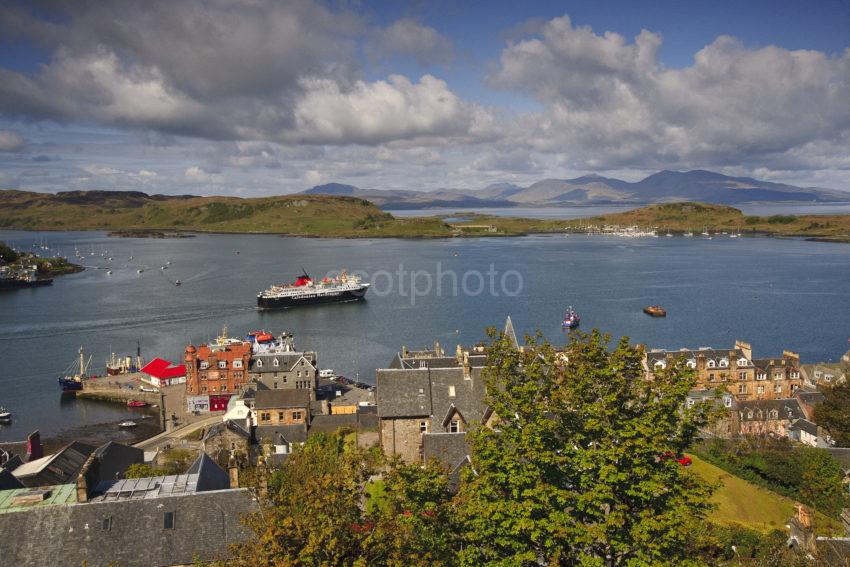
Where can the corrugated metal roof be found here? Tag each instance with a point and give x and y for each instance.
(61, 494)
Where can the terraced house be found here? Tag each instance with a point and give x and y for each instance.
(734, 370)
(280, 366)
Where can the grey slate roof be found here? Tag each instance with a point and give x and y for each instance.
(273, 399)
(811, 398)
(331, 423)
(450, 449)
(286, 361)
(805, 425)
(58, 468)
(210, 475)
(786, 408)
(229, 425)
(282, 434)
(205, 524)
(403, 393)
(8, 480)
(115, 458)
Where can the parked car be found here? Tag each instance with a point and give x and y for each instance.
(683, 460)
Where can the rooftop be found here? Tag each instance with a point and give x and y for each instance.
(273, 399)
(57, 495)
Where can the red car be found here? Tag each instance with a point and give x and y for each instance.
(683, 460)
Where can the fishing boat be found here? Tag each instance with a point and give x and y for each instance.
(127, 424)
(5, 415)
(137, 404)
(116, 365)
(73, 383)
(571, 319)
(655, 311)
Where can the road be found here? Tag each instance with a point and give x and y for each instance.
(174, 434)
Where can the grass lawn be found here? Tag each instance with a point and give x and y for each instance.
(742, 502)
(376, 491)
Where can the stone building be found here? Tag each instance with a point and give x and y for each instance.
(282, 407)
(221, 367)
(425, 393)
(279, 365)
(734, 370)
(766, 417)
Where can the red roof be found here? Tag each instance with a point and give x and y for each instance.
(162, 369)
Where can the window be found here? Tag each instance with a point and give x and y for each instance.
(761, 376)
(724, 363)
(298, 374)
(237, 364)
(421, 391)
(692, 363)
(690, 402)
(742, 375)
(280, 416)
(711, 376)
(750, 414)
(297, 415)
(742, 362)
(423, 427)
(222, 364)
(204, 365)
(722, 376)
(107, 524)
(302, 362)
(204, 388)
(168, 521)
(660, 364)
(275, 363)
(275, 385)
(778, 388)
(760, 390)
(265, 416)
(742, 388)
(454, 426)
(711, 364)
(259, 363)
(422, 364)
(451, 391)
(727, 401)
(774, 414)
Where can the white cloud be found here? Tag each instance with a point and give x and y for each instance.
(195, 174)
(371, 113)
(408, 37)
(609, 102)
(10, 141)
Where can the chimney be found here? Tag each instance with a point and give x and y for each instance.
(790, 355)
(746, 348)
(459, 353)
(88, 478)
(34, 448)
(437, 350)
(233, 471)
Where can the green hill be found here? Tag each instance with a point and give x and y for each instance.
(303, 215)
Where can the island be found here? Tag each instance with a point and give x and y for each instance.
(25, 269)
(135, 214)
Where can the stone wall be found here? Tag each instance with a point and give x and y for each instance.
(400, 436)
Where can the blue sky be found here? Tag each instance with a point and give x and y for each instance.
(211, 97)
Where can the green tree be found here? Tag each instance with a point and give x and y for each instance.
(313, 516)
(833, 413)
(414, 523)
(577, 470)
(820, 481)
(139, 470)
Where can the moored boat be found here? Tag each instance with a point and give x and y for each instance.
(655, 311)
(5, 415)
(571, 319)
(127, 424)
(137, 404)
(73, 383)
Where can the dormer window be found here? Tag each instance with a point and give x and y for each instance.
(774, 414)
(660, 364)
(237, 364)
(222, 364)
(204, 365)
(743, 362)
(275, 363)
(724, 363)
(692, 363)
(711, 364)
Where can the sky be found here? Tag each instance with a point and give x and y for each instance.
(267, 97)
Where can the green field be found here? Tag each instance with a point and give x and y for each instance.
(744, 503)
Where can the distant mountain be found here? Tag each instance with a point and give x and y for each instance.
(661, 187)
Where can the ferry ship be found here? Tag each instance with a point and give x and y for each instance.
(307, 292)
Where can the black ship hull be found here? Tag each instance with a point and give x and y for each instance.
(311, 299)
(18, 284)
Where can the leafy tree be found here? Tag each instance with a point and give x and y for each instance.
(834, 413)
(413, 526)
(7, 255)
(576, 470)
(820, 483)
(314, 516)
(139, 470)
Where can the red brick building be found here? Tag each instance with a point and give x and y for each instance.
(218, 368)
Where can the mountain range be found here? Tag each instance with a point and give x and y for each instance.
(661, 187)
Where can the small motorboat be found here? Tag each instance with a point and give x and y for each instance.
(655, 311)
(5, 415)
(136, 404)
(571, 319)
(139, 271)
(177, 282)
(127, 424)
(108, 272)
(164, 268)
